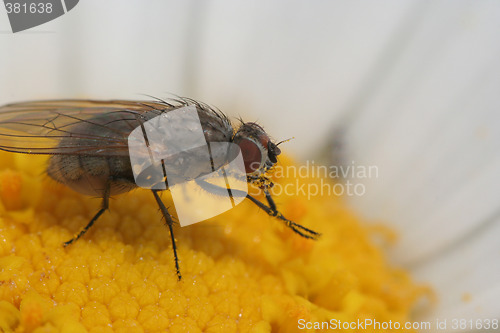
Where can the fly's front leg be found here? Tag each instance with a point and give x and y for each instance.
(273, 211)
(104, 207)
(170, 222)
(270, 201)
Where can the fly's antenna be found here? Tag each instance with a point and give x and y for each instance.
(283, 141)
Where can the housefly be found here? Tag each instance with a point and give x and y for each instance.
(88, 147)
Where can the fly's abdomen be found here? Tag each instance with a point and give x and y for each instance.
(91, 175)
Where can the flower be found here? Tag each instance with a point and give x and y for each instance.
(242, 270)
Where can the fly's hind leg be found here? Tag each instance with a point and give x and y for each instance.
(104, 207)
(170, 222)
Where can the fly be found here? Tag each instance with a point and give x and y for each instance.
(88, 146)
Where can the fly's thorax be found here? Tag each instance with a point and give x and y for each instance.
(178, 146)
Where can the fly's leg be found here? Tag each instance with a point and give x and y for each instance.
(270, 201)
(170, 223)
(272, 211)
(104, 207)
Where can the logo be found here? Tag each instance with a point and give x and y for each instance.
(26, 14)
(170, 152)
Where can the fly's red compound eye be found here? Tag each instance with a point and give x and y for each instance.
(252, 155)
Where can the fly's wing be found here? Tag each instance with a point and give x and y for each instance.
(70, 126)
(86, 127)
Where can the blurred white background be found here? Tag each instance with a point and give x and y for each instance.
(412, 87)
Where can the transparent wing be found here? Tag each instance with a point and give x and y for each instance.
(73, 126)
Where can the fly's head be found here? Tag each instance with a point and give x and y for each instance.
(258, 151)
